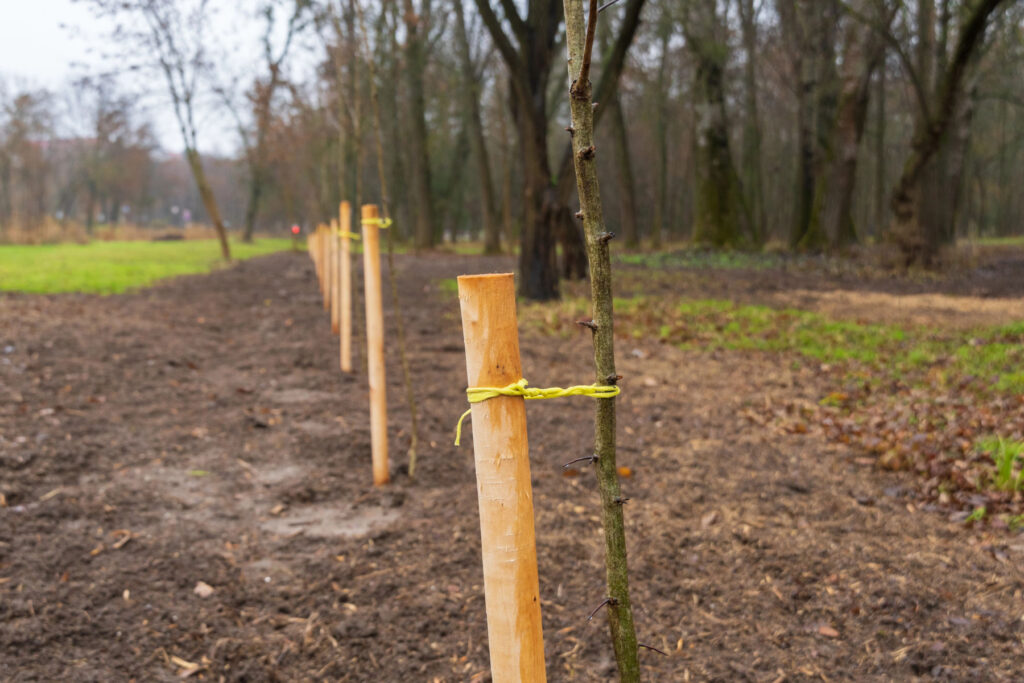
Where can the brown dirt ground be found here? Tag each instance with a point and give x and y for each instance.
(199, 431)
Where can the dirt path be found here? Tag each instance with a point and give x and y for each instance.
(199, 431)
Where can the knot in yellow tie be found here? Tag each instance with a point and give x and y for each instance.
(379, 222)
(520, 388)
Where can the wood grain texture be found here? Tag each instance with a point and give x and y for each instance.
(375, 346)
(505, 494)
(345, 315)
(335, 276)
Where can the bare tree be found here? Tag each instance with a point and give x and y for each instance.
(472, 76)
(722, 218)
(171, 38)
(527, 45)
(940, 79)
(261, 98)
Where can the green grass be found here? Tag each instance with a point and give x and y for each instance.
(114, 267)
(1005, 455)
(694, 258)
(992, 358)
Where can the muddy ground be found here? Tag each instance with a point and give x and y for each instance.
(199, 431)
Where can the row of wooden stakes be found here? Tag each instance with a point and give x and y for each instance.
(329, 247)
(501, 450)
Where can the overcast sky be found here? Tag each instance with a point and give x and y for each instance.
(34, 47)
(48, 43)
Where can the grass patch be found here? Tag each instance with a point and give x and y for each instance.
(1005, 455)
(703, 258)
(990, 358)
(114, 267)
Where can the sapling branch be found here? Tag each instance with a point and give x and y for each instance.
(586, 458)
(620, 614)
(606, 601)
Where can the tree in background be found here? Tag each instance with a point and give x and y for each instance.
(925, 199)
(170, 37)
(722, 216)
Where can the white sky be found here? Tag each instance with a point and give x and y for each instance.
(48, 43)
(33, 46)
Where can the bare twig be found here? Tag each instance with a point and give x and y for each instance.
(582, 83)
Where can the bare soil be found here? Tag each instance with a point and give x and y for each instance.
(200, 431)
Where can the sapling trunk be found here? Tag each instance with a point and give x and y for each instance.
(580, 43)
(410, 398)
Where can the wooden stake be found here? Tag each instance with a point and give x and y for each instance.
(323, 268)
(335, 276)
(501, 450)
(314, 252)
(345, 294)
(375, 345)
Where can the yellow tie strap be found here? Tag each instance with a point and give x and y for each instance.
(379, 222)
(350, 235)
(478, 394)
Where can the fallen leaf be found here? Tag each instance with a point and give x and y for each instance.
(125, 535)
(625, 471)
(828, 632)
(198, 473)
(708, 519)
(203, 589)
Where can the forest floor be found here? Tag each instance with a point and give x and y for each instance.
(185, 484)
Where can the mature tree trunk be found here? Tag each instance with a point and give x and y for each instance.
(720, 216)
(942, 178)
(256, 181)
(624, 172)
(415, 65)
(542, 219)
(471, 93)
(931, 128)
(753, 180)
(529, 63)
(209, 201)
(832, 212)
(661, 132)
(881, 209)
(624, 165)
(810, 28)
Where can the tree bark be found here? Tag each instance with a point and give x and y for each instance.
(832, 213)
(471, 90)
(415, 65)
(721, 219)
(618, 607)
(907, 230)
(209, 201)
(753, 180)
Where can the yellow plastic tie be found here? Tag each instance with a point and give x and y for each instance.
(379, 222)
(520, 388)
(350, 235)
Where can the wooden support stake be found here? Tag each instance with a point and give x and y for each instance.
(323, 268)
(375, 344)
(329, 267)
(314, 252)
(335, 241)
(501, 450)
(345, 317)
